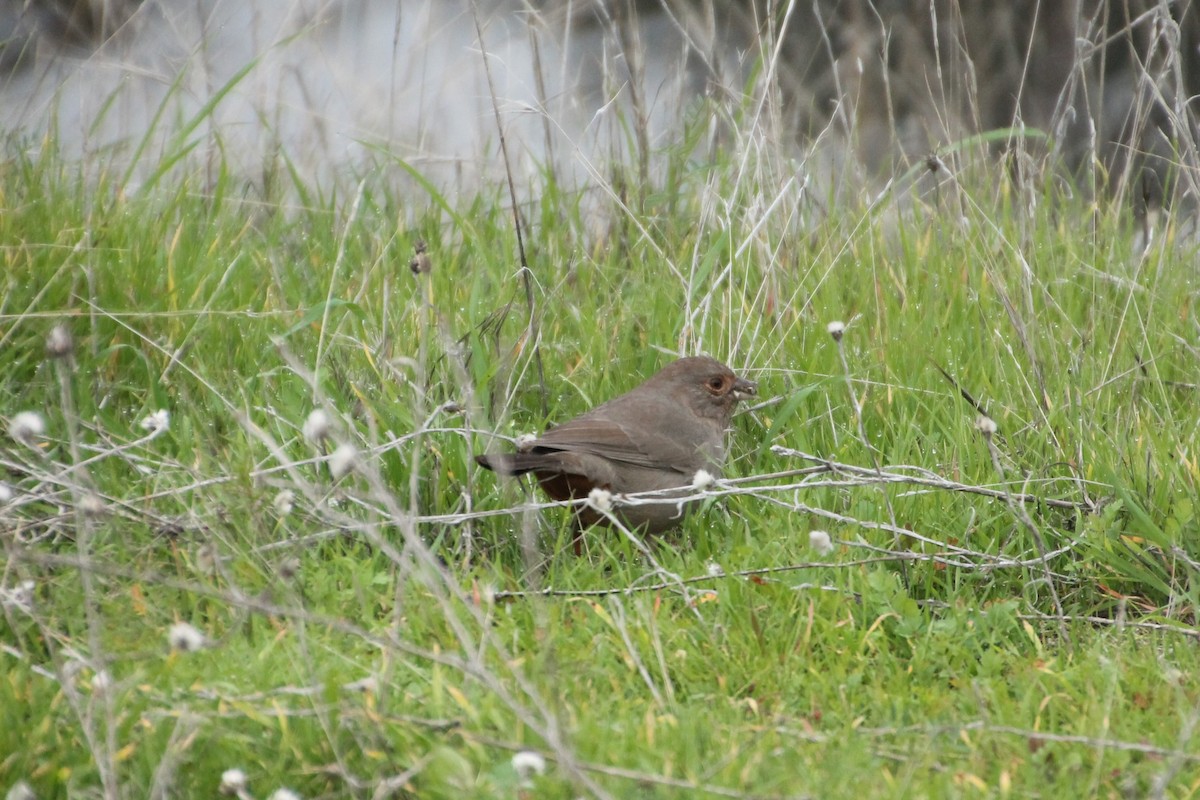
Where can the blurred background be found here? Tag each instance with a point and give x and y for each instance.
(847, 87)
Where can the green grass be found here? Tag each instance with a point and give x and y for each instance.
(845, 676)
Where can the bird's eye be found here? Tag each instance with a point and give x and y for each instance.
(716, 383)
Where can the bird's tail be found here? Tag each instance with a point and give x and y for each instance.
(510, 463)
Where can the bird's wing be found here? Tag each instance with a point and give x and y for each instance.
(598, 434)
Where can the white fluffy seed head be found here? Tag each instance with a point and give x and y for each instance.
(986, 425)
(101, 681)
(185, 637)
(342, 460)
(92, 505)
(26, 426)
(528, 763)
(21, 791)
(836, 329)
(233, 781)
(158, 421)
(284, 502)
(20, 598)
(369, 684)
(820, 541)
(600, 499)
(703, 479)
(59, 343)
(524, 442)
(714, 569)
(6, 493)
(283, 793)
(318, 427)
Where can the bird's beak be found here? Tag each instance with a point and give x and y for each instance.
(743, 388)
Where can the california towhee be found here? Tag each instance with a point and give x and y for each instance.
(657, 436)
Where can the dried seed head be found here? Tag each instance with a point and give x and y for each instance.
(21, 598)
(702, 479)
(342, 460)
(26, 427)
(836, 329)
(368, 684)
(158, 421)
(600, 499)
(233, 781)
(101, 681)
(185, 637)
(528, 763)
(92, 505)
(986, 425)
(318, 427)
(284, 502)
(21, 791)
(524, 442)
(59, 343)
(820, 541)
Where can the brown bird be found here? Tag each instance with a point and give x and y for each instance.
(657, 436)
